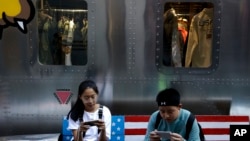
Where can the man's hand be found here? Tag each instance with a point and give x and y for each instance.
(154, 136)
(176, 137)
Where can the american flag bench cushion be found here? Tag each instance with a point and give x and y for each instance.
(133, 127)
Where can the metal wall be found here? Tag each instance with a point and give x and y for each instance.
(123, 58)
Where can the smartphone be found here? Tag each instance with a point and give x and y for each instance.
(164, 134)
(91, 123)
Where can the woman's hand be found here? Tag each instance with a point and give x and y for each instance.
(100, 125)
(83, 127)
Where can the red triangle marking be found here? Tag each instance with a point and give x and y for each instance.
(63, 96)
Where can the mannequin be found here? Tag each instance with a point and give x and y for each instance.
(70, 38)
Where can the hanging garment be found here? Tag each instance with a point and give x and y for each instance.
(199, 46)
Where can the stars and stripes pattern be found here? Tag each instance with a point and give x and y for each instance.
(133, 127)
(215, 127)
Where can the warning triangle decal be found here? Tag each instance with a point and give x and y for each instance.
(63, 96)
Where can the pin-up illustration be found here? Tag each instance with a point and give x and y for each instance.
(17, 13)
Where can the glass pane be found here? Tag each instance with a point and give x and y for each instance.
(62, 29)
(187, 34)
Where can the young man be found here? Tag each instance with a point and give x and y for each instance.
(173, 118)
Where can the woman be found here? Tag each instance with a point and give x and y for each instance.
(87, 109)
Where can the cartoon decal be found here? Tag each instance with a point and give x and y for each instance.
(17, 13)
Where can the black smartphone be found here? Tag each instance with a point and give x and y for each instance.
(91, 123)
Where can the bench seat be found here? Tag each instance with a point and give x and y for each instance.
(133, 127)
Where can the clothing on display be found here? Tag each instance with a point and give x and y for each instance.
(60, 33)
(199, 46)
(173, 42)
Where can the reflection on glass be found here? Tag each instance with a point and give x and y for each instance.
(187, 34)
(63, 27)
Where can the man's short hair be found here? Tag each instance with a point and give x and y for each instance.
(168, 97)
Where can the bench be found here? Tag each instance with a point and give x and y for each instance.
(133, 127)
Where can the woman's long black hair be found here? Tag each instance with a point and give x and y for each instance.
(78, 108)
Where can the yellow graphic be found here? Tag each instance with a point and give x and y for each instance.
(10, 7)
(16, 13)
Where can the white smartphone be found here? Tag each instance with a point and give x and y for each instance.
(164, 134)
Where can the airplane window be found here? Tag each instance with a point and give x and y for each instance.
(62, 31)
(187, 34)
